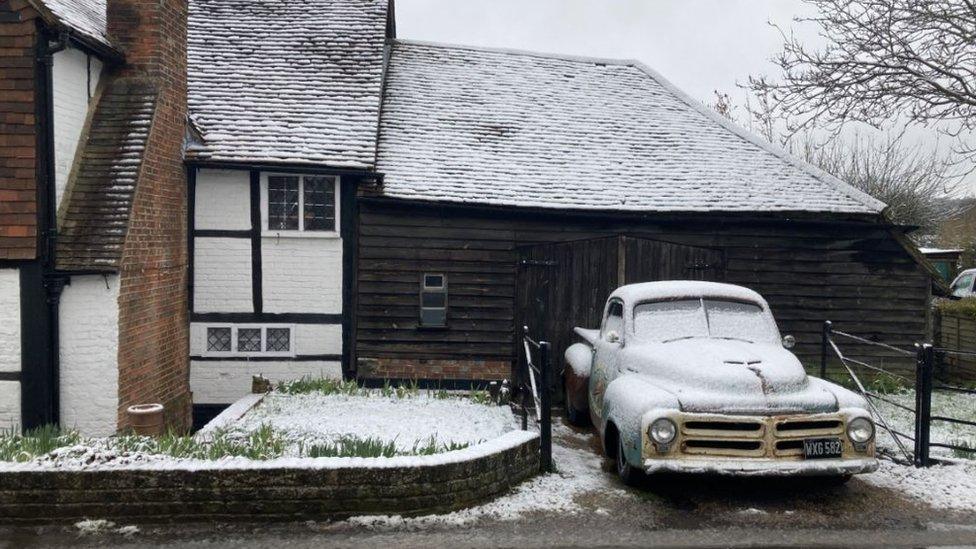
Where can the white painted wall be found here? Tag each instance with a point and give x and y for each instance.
(9, 347)
(10, 405)
(75, 76)
(222, 275)
(307, 339)
(224, 382)
(223, 200)
(89, 324)
(302, 274)
(9, 320)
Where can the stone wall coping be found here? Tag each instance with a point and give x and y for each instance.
(507, 441)
(230, 415)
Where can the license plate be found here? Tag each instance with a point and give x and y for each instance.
(821, 448)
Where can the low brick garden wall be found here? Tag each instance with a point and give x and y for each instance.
(400, 486)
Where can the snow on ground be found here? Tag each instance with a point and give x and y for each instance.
(941, 486)
(946, 404)
(578, 472)
(316, 419)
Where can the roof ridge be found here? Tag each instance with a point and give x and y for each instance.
(815, 172)
(515, 51)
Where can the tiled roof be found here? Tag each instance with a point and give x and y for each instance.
(99, 197)
(85, 17)
(497, 127)
(296, 81)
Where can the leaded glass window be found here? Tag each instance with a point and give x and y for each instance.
(283, 203)
(319, 204)
(218, 340)
(278, 340)
(248, 340)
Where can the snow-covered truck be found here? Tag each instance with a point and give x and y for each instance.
(688, 376)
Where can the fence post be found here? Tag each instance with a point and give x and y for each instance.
(545, 400)
(925, 354)
(824, 338)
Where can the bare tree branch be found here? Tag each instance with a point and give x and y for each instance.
(884, 60)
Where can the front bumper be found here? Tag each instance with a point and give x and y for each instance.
(763, 466)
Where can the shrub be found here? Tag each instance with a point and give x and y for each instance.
(321, 385)
(960, 307)
(351, 446)
(15, 446)
(260, 444)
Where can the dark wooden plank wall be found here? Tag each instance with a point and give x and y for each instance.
(566, 284)
(856, 275)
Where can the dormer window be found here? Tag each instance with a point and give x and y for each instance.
(301, 203)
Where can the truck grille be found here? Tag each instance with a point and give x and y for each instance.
(757, 436)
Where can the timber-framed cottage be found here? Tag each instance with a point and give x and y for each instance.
(289, 189)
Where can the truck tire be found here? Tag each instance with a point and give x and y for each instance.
(576, 417)
(630, 475)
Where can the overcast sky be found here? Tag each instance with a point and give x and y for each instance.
(700, 45)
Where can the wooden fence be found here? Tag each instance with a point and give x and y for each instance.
(956, 332)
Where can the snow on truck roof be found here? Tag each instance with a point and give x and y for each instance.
(670, 289)
(501, 127)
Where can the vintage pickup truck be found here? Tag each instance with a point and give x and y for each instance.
(687, 376)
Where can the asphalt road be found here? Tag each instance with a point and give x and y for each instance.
(676, 511)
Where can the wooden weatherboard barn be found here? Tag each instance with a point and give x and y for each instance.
(528, 186)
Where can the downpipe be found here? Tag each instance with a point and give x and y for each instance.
(52, 281)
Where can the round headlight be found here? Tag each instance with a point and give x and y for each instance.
(860, 430)
(662, 431)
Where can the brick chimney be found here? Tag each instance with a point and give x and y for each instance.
(153, 35)
(153, 322)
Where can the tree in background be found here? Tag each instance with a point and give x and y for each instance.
(912, 180)
(885, 60)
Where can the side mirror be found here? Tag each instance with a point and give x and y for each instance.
(789, 342)
(613, 337)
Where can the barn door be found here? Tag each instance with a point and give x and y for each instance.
(566, 284)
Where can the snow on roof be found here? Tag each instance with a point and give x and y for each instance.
(296, 81)
(85, 17)
(669, 289)
(502, 127)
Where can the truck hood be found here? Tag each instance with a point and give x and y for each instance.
(728, 376)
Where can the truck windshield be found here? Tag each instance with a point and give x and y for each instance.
(663, 321)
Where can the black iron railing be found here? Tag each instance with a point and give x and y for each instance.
(924, 384)
(536, 384)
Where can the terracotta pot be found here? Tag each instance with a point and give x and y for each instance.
(146, 419)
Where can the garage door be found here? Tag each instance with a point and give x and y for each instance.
(565, 284)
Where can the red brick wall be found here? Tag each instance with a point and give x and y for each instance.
(153, 323)
(18, 135)
(405, 368)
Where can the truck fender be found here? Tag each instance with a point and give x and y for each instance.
(579, 361)
(628, 398)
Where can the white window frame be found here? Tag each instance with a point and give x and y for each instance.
(424, 288)
(300, 232)
(290, 353)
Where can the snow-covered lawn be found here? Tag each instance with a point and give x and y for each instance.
(297, 428)
(306, 420)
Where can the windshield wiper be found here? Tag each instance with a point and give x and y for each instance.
(737, 339)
